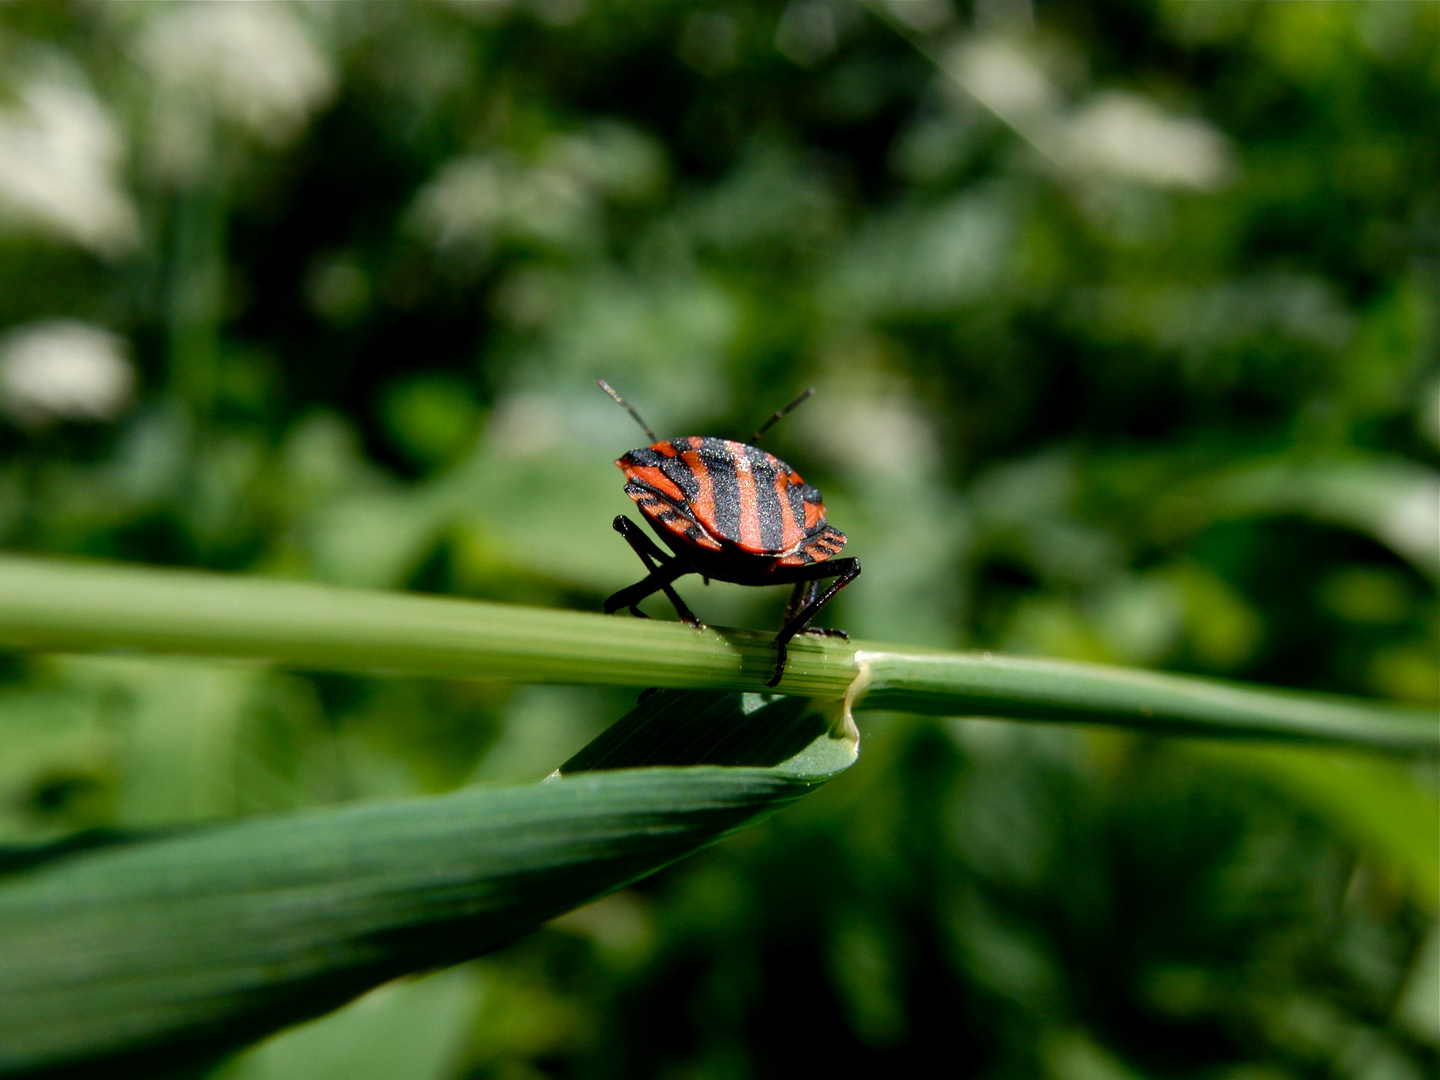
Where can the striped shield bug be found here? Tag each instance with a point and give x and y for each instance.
(730, 511)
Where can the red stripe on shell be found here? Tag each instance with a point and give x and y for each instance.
(650, 474)
(750, 538)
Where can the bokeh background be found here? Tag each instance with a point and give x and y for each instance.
(1123, 319)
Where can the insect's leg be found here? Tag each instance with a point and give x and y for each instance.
(646, 549)
(843, 571)
(802, 594)
(640, 540)
(812, 590)
(656, 582)
(642, 546)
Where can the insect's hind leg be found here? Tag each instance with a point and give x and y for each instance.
(844, 571)
(659, 574)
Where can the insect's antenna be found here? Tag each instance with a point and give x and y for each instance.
(631, 409)
(768, 424)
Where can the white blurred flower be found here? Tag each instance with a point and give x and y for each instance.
(1411, 523)
(251, 63)
(526, 425)
(63, 370)
(464, 202)
(1112, 134)
(478, 198)
(612, 158)
(866, 422)
(1128, 136)
(884, 436)
(59, 156)
(1003, 77)
(475, 199)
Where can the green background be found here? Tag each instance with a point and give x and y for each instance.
(1122, 318)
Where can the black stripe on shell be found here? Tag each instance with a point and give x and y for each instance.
(655, 503)
(677, 471)
(767, 502)
(796, 494)
(725, 487)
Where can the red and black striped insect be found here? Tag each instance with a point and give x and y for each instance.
(731, 512)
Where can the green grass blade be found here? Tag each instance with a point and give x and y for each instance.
(1021, 688)
(133, 956)
(61, 606)
(75, 606)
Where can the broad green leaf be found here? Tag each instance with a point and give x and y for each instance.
(136, 954)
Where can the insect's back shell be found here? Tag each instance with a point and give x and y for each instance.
(736, 493)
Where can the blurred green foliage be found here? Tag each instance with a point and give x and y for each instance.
(1123, 317)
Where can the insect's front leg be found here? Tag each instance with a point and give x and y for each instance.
(661, 574)
(657, 581)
